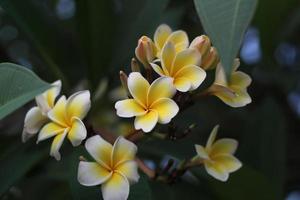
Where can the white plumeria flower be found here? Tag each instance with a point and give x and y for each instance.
(66, 120)
(36, 117)
(115, 168)
(151, 104)
(218, 157)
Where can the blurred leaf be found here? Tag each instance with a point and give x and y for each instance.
(246, 184)
(32, 20)
(140, 190)
(18, 85)
(17, 163)
(225, 22)
(264, 136)
(95, 20)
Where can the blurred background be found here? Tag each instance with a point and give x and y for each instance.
(85, 43)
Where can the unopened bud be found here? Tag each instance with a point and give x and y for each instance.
(211, 60)
(123, 79)
(145, 51)
(134, 65)
(202, 44)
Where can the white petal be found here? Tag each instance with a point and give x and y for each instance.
(49, 130)
(78, 104)
(166, 109)
(58, 113)
(201, 152)
(146, 122)
(129, 108)
(56, 144)
(100, 150)
(33, 122)
(228, 162)
(138, 87)
(216, 171)
(116, 188)
(123, 150)
(130, 170)
(212, 136)
(91, 174)
(77, 132)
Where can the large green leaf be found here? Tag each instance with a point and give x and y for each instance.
(16, 163)
(225, 22)
(140, 190)
(18, 85)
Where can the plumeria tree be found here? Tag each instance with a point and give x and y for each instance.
(115, 133)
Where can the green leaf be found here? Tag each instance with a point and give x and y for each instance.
(225, 22)
(17, 163)
(18, 85)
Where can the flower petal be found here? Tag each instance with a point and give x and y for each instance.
(100, 150)
(91, 174)
(212, 136)
(161, 35)
(167, 57)
(182, 84)
(201, 152)
(216, 170)
(58, 113)
(129, 108)
(185, 58)
(56, 144)
(166, 109)
(123, 150)
(138, 87)
(240, 98)
(224, 146)
(49, 130)
(240, 80)
(229, 162)
(194, 74)
(157, 69)
(146, 122)
(33, 122)
(78, 104)
(179, 39)
(160, 88)
(130, 170)
(115, 188)
(77, 132)
(45, 101)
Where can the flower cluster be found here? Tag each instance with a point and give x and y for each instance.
(174, 71)
(58, 119)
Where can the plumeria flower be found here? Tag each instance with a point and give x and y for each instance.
(36, 117)
(66, 120)
(164, 34)
(115, 168)
(150, 103)
(218, 157)
(234, 91)
(182, 67)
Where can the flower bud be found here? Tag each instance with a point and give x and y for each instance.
(145, 51)
(202, 44)
(134, 65)
(211, 60)
(123, 79)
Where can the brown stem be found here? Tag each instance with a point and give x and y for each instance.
(149, 172)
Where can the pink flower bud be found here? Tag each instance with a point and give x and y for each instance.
(145, 51)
